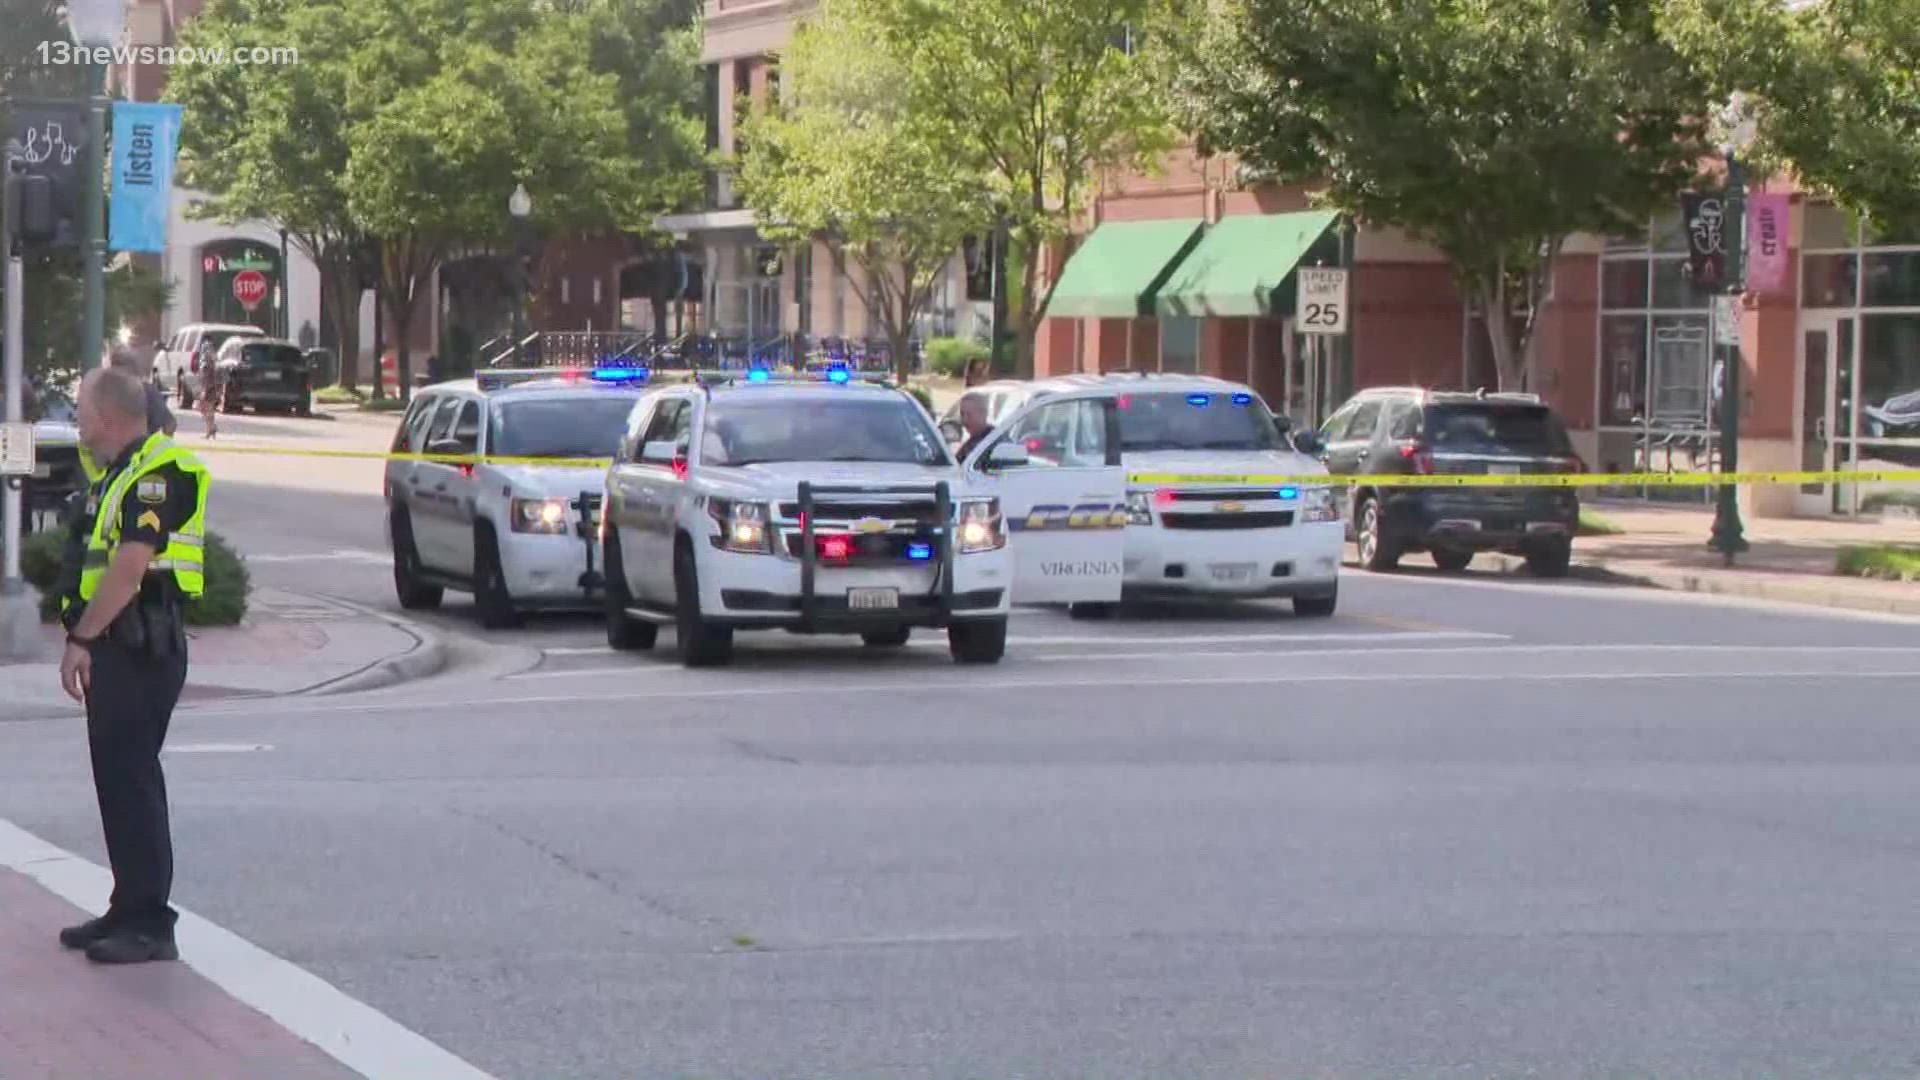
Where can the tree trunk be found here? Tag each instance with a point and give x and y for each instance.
(400, 304)
(1020, 312)
(339, 286)
(379, 339)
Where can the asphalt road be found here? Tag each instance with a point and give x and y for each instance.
(1468, 827)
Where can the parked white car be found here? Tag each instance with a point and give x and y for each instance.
(177, 361)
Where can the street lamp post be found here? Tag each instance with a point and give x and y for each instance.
(95, 24)
(520, 206)
(1729, 538)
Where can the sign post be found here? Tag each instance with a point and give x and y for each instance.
(19, 615)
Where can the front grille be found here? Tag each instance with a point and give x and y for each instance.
(918, 511)
(1246, 495)
(1265, 519)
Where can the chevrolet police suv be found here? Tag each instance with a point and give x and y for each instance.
(520, 531)
(1202, 519)
(831, 505)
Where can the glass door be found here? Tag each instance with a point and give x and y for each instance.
(1826, 410)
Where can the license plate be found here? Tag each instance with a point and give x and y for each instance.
(1503, 470)
(1231, 571)
(271, 376)
(873, 599)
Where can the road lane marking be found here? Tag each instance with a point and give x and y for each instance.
(923, 687)
(353, 1033)
(1502, 650)
(216, 748)
(360, 555)
(1191, 639)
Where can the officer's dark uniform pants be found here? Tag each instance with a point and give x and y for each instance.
(129, 705)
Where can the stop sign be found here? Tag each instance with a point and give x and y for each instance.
(250, 287)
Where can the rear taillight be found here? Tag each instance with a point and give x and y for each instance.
(1419, 457)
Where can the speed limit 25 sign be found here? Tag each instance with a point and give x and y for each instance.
(1322, 307)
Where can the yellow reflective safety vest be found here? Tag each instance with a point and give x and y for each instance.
(185, 556)
(87, 465)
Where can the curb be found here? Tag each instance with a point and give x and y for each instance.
(1710, 584)
(427, 657)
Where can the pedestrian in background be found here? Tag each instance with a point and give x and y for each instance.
(213, 392)
(138, 554)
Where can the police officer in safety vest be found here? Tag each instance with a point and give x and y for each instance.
(138, 547)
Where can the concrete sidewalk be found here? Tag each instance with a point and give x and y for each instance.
(63, 1018)
(1792, 559)
(290, 643)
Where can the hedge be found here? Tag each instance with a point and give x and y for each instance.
(949, 356)
(224, 603)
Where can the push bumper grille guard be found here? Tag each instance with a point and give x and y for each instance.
(587, 528)
(942, 532)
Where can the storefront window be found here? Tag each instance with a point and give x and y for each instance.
(1890, 377)
(1623, 368)
(1679, 369)
(1180, 345)
(1891, 279)
(1829, 281)
(1669, 232)
(1623, 283)
(1674, 288)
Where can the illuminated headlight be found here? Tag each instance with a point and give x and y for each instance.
(1320, 504)
(1139, 508)
(743, 526)
(540, 516)
(981, 527)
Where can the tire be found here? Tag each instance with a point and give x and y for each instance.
(624, 632)
(1092, 610)
(978, 641)
(490, 595)
(887, 639)
(1452, 560)
(414, 593)
(1316, 607)
(1551, 559)
(701, 644)
(186, 397)
(1378, 551)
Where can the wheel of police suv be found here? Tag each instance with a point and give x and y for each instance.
(701, 643)
(978, 641)
(413, 592)
(624, 632)
(490, 584)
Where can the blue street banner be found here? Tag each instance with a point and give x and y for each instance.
(144, 138)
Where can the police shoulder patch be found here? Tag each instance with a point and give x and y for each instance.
(153, 491)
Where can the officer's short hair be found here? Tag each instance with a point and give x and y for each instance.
(118, 391)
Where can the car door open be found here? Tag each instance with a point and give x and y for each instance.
(1055, 467)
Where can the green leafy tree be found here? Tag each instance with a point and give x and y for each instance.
(269, 142)
(1491, 129)
(1040, 96)
(845, 159)
(1834, 87)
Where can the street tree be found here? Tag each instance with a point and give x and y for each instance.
(1834, 88)
(270, 142)
(453, 103)
(1490, 129)
(1042, 96)
(844, 158)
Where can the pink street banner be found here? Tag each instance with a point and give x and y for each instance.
(1768, 270)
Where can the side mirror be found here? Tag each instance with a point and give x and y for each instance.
(1008, 455)
(1309, 443)
(658, 452)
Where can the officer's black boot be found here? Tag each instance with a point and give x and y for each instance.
(132, 947)
(80, 937)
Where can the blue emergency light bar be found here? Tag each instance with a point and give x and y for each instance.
(1198, 401)
(1288, 494)
(1243, 398)
(920, 551)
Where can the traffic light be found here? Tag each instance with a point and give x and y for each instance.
(34, 211)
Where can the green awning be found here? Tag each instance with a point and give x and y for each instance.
(1242, 266)
(1115, 272)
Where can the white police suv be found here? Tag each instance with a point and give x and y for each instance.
(1200, 521)
(515, 531)
(831, 505)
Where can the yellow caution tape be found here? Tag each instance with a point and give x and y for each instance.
(1154, 479)
(1552, 480)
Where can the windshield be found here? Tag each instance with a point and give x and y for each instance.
(885, 429)
(1200, 421)
(1496, 429)
(569, 427)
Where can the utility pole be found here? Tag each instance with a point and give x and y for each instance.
(19, 614)
(93, 238)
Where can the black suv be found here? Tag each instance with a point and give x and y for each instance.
(1384, 433)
